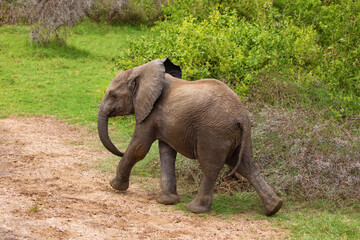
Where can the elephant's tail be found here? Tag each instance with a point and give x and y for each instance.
(244, 132)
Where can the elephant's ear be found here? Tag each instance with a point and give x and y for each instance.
(149, 82)
(173, 69)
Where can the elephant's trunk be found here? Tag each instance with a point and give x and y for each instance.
(102, 126)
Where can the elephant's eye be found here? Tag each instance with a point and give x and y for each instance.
(112, 94)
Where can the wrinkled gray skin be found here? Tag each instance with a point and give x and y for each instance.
(202, 120)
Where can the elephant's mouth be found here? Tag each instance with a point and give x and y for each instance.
(113, 113)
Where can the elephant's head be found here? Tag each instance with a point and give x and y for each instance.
(133, 91)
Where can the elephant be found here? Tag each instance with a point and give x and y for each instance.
(203, 120)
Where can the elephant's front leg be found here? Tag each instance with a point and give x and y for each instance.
(136, 151)
(168, 177)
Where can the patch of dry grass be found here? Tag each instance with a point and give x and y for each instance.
(307, 156)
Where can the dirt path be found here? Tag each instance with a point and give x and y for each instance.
(50, 189)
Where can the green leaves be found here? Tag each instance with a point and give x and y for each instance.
(222, 46)
(308, 43)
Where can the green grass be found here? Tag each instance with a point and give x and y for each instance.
(323, 225)
(304, 220)
(67, 82)
(225, 205)
(310, 222)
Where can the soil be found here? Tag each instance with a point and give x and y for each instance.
(51, 189)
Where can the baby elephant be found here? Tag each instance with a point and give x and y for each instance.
(202, 120)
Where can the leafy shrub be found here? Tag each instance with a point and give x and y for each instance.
(11, 12)
(304, 44)
(337, 25)
(200, 9)
(224, 47)
(5, 9)
(108, 10)
(132, 12)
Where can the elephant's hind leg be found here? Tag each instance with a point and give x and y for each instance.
(211, 165)
(248, 170)
(168, 178)
(271, 201)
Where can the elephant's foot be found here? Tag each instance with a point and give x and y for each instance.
(196, 207)
(119, 185)
(268, 197)
(169, 199)
(273, 207)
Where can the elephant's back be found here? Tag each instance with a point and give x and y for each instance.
(204, 103)
(207, 96)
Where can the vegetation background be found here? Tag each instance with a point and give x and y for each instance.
(296, 65)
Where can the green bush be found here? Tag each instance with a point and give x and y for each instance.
(133, 12)
(337, 24)
(200, 9)
(308, 44)
(224, 47)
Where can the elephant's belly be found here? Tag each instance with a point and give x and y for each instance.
(187, 149)
(186, 152)
(181, 143)
(191, 141)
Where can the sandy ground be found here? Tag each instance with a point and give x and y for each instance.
(51, 189)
